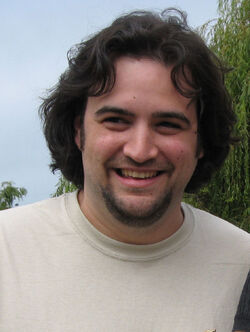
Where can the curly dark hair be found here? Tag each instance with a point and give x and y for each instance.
(164, 37)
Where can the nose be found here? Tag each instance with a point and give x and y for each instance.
(140, 145)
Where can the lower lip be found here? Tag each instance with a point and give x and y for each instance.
(139, 183)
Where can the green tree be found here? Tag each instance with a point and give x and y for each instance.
(229, 37)
(9, 193)
(63, 186)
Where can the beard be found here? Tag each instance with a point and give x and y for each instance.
(138, 217)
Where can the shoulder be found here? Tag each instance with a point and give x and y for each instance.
(216, 225)
(223, 239)
(33, 215)
(20, 211)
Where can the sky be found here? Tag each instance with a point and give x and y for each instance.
(35, 36)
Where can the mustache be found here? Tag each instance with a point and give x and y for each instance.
(126, 162)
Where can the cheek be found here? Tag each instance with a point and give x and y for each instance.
(181, 153)
(176, 150)
(100, 147)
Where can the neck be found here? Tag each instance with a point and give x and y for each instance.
(166, 226)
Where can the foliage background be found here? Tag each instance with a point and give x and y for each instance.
(9, 194)
(227, 195)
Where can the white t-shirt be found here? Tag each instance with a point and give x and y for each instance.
(58, 273)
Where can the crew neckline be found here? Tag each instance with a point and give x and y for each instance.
(122, 250)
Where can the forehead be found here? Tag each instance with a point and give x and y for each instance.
(142, 85)
(132, 73)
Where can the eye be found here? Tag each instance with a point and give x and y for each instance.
(114, 119)
(168, 127)
(168, 124)
(115, 123)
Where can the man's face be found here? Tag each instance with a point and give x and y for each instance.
(140, 145)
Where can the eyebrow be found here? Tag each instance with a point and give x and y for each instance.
(111, 109)
(171, 115)
(158, 115)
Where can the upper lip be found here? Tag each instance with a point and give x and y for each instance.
(139, 170)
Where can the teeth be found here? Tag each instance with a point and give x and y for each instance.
(138, 175)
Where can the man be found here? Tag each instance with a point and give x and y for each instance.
(140, 116)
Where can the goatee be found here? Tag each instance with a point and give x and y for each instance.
(139, 217)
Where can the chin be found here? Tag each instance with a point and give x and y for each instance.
(137, 211)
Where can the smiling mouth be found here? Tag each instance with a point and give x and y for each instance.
(126, 173)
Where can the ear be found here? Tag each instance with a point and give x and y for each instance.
(77, 126)
(201, 153)
(199, 149)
